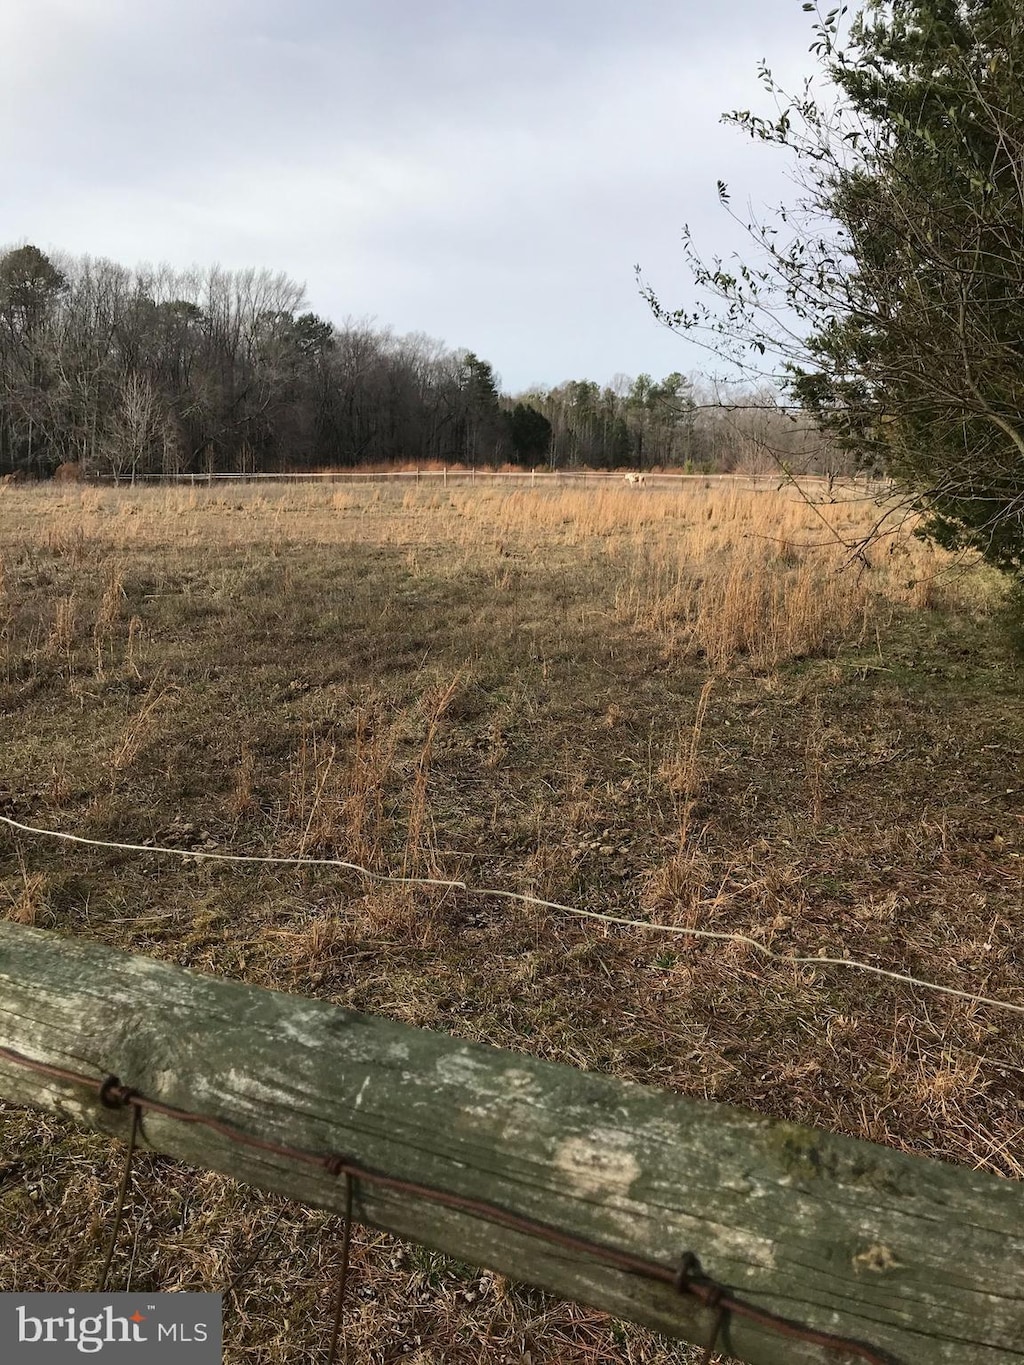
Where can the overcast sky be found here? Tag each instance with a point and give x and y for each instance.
(488, 173)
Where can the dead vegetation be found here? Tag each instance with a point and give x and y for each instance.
(677, 706)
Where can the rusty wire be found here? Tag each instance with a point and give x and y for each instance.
(339, 1303)
(687, 1278)
(126, 1176)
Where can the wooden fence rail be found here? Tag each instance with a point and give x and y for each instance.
(921, 1261)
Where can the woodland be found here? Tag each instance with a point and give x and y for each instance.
(131, 373)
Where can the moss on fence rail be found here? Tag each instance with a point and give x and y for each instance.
(916, 1258)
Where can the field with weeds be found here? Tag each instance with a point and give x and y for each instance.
(690, 706)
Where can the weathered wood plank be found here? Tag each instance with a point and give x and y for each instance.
(916, 1258)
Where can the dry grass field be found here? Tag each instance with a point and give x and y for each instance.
(676, 706)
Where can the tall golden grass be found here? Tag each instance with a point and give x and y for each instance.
(589, 694)
(722, 573)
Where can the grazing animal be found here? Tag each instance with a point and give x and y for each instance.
(636, 478)
(68, 472)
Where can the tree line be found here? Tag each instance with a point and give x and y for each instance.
(123, 373)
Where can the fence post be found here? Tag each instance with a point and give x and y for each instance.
(917, 1260)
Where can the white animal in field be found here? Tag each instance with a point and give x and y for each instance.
(636, 478)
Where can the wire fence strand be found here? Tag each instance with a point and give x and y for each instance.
(524, 898)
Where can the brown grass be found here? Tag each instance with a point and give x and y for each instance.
(692, 705)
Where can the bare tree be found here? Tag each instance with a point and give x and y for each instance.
(135, 442)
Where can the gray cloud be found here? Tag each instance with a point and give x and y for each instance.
(484, 173)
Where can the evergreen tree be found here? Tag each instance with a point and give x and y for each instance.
(485, 429)
(530, 433)
(891, 298)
